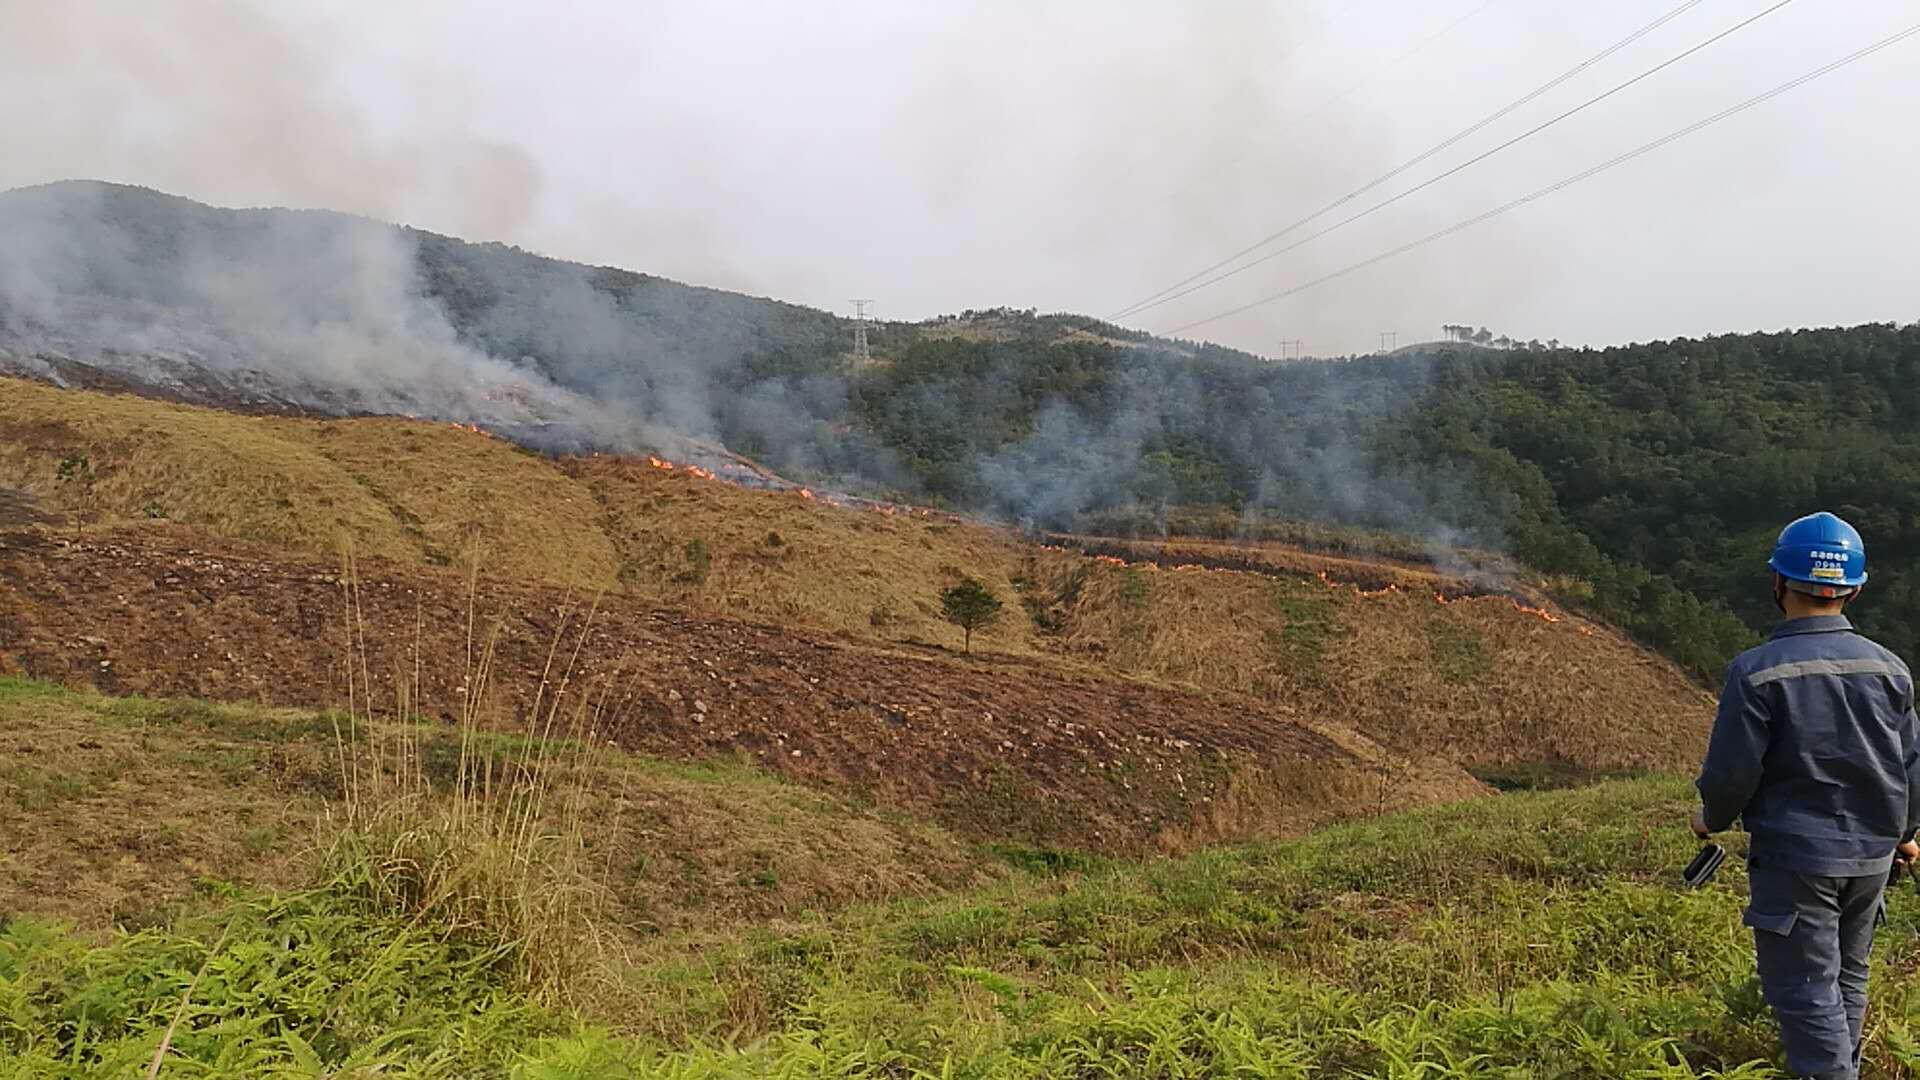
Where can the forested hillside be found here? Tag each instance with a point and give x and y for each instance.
(1656, 474)
(1683, 459)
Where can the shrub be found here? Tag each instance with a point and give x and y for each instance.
(970, 606)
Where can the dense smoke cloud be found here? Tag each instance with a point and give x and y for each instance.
(1063, 154)
(324, 307)
(341, 315)
(226, 101)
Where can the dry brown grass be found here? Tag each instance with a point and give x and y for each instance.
(462, 495)
(1476, 681)
(1215, 629)
(781, 558)
(1568, 691)
(238, 476)
(433, 494)
(395, 489)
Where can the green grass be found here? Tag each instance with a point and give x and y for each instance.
(1312, 623)
(250, 723)
(1533, 935)
(14, 689)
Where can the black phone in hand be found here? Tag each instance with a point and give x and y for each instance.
(1702, 868)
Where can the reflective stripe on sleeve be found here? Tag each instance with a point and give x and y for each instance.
(1798, 668)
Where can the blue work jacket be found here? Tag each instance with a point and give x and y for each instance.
(1816, 750)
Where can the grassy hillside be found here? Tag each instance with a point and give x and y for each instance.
(434, 494)
(1538, 934)
(1476, 681)
(780, 558)
(393, 489)
(1481, 680)
(992, 745)
(111, 809)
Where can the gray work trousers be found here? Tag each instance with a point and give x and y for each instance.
(1811, 938)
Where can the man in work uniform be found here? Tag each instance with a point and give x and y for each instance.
(1814, 749)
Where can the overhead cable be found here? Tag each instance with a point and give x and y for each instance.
(1422, 156)
(1463, 166)
(1576, 178)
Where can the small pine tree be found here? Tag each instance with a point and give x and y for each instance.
(970, 606)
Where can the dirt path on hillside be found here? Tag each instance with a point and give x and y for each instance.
(992, 746)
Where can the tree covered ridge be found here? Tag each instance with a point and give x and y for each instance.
(1656, 474)
(1681, 460)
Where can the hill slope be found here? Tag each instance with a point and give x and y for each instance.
(1538, 934)
(1240, 700)
(1651, 473)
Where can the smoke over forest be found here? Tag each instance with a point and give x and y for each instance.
(332, 313)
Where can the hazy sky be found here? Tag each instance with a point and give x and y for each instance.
(1040, 153)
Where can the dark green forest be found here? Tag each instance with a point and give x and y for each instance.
(1662, 472)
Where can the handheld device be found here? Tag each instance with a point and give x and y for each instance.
(1701, 869)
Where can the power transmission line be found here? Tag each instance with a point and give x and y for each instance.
(1467, 164)
(1576, 178)
(1451, 140)
(861, 354)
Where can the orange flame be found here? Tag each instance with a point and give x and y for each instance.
(1539, 613)
(806, 494)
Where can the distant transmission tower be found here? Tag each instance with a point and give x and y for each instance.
(1389, 340)
(861, 355)
(1290, 350)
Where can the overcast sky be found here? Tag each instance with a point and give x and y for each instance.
(1035, 153)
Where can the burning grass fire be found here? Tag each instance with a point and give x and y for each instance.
(690, 470)
(1143, 565)
(1390, 589)
(764, 482)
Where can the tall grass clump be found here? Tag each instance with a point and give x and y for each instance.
(475, 832)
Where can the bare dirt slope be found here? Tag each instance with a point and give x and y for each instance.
(994, 747)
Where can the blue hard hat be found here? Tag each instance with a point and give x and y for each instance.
(1821, 550)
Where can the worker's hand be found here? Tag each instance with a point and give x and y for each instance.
(1906, 853)
(1699, 823)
